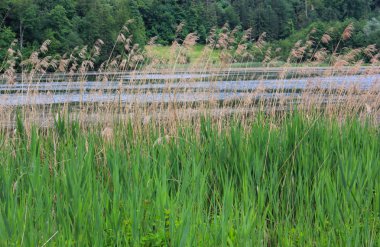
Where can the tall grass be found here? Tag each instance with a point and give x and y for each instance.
(297, 180)
(29, 78)
(297, 167)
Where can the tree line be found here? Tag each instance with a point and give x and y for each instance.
(71, 23)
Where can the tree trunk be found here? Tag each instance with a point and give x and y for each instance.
(306, 14)
(21, 35)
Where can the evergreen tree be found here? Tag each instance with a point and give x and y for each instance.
(70, 23)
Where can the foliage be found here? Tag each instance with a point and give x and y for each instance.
(364, 33)
(71, 23)
(7, 36)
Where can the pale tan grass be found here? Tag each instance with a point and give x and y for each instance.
(332, 102)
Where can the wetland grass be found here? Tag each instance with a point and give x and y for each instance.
(243, 171)
(296, 180)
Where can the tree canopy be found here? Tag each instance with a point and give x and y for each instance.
(71, 23)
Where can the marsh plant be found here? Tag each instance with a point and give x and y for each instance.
(299, 167)
(296, 179)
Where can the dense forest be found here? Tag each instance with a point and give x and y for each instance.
(72, 23)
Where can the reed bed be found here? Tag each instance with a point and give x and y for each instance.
(300, 179)
(42, 86)
(131, 160)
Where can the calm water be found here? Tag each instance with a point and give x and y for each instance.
(184, 87)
